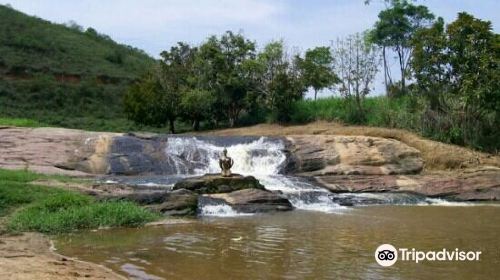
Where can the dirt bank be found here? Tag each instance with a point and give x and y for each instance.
(28, 256)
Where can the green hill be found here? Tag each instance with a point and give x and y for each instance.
(64, 76)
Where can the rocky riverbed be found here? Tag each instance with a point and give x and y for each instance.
(341, 163)
(333, 164)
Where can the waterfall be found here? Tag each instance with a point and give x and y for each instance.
(262, 158)
(197, 157)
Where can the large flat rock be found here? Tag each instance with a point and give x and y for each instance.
(471, 185)
(315, 155)
(76, 152)
(48, 150)
(215, 183)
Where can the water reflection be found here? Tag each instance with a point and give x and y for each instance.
(298, 245)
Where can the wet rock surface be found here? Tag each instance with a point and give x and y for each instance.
(251, 200)
(471, 185)
(177, 203)
(308, 155)
(340, 163)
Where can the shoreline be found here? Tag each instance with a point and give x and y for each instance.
(448, 170)
(33, 256)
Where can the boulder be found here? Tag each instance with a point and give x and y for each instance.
(470, 185)
(314, 155)
(51, 150)
(215, 183)
(252, 200)
(178, 202)
(139, 197)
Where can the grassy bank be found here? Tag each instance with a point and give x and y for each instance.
(90, 124)
(20, 122)
(28, 207)
(407, 112)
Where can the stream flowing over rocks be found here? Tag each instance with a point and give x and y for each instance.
(312, 172)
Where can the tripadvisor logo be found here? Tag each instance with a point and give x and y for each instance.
(387, 255)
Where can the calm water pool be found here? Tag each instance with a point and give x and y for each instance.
(299, 245)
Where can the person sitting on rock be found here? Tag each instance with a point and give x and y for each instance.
(225, 164)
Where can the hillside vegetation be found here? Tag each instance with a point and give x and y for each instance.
(64, 75)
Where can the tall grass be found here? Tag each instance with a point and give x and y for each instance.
(377, 111)
(406, 112)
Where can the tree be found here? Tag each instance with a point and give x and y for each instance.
(317, 69)
(395, 29)
(356, 63)
(196, 105)
(430, 62)
(279, 81)
(461, 64)
(155, 99)
(146, 103)
(222, 63)
(175, 72)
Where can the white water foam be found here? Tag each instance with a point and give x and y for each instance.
(149, 184)
(261, 158)
(220, 210)
(257, 157)
(442, 202)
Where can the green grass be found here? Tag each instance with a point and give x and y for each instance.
(20, 122)
(44, 209)
(378, 111)
(407, 112)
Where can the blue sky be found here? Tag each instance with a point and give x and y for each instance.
(155, 25)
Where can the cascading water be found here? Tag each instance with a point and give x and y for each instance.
(262, 158)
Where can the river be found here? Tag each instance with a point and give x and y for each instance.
(321, 239)
(299, 245)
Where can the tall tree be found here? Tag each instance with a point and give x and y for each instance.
(155, 99)
(146, 102)
(430, 62)
(176, 69)
(461, 64)
(225, 61)
(356, 63)
(395, 29)
(317, 69)
(280, 82)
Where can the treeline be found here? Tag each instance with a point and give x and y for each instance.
(447, 79)
(449, 73)
(225, 80)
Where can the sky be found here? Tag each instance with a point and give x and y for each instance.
(156, 25)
